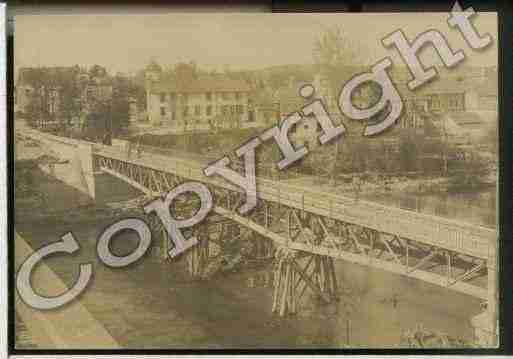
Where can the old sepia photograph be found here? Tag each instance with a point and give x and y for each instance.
(256, 180)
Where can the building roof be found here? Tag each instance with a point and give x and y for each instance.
(58, 76)
(48, 75)
(465, 118)
(463, 124)
(452, 85)
(210, 83)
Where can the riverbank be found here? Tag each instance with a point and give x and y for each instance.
(429, 196)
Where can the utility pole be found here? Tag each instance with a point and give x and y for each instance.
(348, 329)
(107, 139)
(334, 167)
(444, 146)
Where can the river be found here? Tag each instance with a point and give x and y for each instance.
(152, 304)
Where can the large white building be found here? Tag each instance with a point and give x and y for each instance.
(185, 99)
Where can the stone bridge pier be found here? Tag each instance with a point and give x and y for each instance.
(485, 324)
(68, 160)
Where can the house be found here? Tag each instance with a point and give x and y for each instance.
(476, 91)
(456, 106)
(44, 82)
(53, 91)
(445, 95)
(42, 91)
(186, 99)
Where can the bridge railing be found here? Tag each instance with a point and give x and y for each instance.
(43, 136)
(463, 237)
(263, 169)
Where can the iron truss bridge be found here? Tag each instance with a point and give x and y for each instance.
(309, 228)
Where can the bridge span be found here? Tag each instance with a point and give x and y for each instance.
(311, 227)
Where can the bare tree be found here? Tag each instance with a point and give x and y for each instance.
(334, 49)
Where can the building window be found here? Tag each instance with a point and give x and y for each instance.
(434, 103)
(197, 110)
(162, 97)
(233, 109)
(162, 111)
(224, 109)
(185, 111)
(209, 96)
(209, 110)
(455, 102)
(240, 109)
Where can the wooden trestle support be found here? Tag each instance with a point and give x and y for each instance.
(160, 244)
(291, 279)
(197, 258)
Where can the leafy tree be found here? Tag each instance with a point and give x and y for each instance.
(98, 121)
(119, 109)
(33, 111)
(471, 177)
(335, 56)
(97, 71)
(70, 106)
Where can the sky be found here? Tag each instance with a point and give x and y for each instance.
(127, 42)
